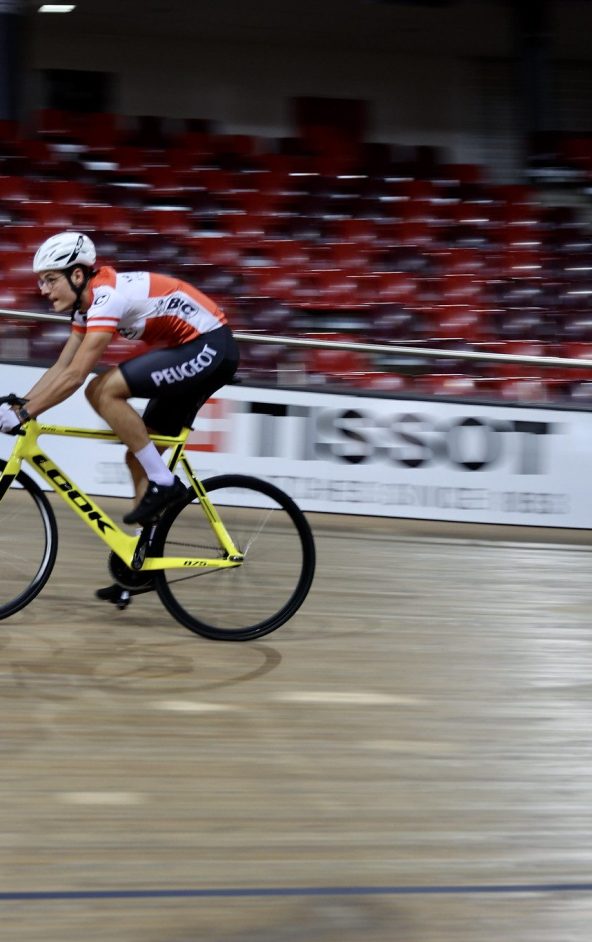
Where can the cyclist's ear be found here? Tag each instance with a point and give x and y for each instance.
(78, 276)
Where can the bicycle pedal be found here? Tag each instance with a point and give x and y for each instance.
(115, 594)
(124, 600)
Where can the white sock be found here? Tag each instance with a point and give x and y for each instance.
(155, 468)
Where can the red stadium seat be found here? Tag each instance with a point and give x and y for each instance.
(131, 161)
(101, 217)
(48, 215)
(170, 223)
(332, 288)
(455, 260)
(19, 189)
(267, 315)
(460, 289)
(525, 389)
(215, 180)
(415, 233)
(451, 384)
(392, 323)
(287, 253)
(65, 192)
(335, 365)
(459, 323)
(382, 382)
(349, 256)
(217, 250)
(574, 351)
(397, 287)
(53, 122)
(8, 297)
(164, 181)
(244, 227)
(355, 230)
(255, 202)
(13, 260)
(261, 361)
(415, 189)
(458, 174)
(10, 132)
(271, 282)
(517, 204)
(99, 130)
(237, 145)
(24, 237)
(521, 348)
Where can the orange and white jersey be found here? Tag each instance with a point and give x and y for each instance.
(141, 305)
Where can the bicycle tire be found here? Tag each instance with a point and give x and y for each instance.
(276, 574)
(28, 550)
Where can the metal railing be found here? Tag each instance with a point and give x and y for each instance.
(482, 356)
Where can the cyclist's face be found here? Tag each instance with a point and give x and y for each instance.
(57, 289)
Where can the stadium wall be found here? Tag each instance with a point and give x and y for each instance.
(383, 456)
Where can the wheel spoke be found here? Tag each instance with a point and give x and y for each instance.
(260, 594)
(28, 544)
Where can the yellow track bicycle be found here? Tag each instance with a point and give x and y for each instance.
(247, 536)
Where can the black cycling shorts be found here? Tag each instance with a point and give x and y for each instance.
(178, 380)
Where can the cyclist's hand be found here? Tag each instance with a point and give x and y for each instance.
(9, 420)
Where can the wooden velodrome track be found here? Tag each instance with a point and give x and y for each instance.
(408, 759)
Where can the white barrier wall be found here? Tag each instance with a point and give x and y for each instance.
(355, 454)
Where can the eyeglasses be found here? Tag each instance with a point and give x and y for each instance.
(48, 281)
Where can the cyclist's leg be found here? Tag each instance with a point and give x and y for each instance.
(179, 376)
(173, 406)
(108, 394)
(168, 412)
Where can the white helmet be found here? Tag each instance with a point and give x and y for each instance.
(64, 250)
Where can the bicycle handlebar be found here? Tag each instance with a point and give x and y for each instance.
(12, 400)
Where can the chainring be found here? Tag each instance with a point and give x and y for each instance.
(127, 577)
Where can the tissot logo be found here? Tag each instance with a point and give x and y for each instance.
(408, 440)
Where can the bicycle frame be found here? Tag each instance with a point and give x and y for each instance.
(130, 549)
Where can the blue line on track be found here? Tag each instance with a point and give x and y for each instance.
(288, 891)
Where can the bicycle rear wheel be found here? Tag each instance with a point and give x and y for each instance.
(260, 594)
(28, 543)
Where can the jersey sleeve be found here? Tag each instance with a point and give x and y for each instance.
(78, 324)
(105, 311)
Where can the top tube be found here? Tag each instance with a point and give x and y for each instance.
(68, 431)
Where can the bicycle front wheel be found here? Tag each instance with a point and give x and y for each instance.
(28, 543)
(266, 589)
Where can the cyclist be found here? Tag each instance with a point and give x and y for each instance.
(195, 354)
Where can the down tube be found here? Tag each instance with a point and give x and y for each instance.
(87, 510)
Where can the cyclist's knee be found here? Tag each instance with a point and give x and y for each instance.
(106, 386)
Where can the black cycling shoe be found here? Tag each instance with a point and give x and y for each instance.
(120, 596)
(156, 499)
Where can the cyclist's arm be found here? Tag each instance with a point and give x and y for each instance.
(72, 371)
